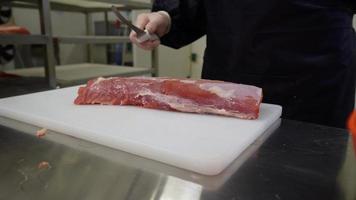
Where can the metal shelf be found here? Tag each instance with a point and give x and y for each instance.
(23, 39)
(85, 6)
(47, 39)
(92, 39)
(69, 75)
(128, 4)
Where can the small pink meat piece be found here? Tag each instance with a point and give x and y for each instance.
(41, 133)
(43, 165)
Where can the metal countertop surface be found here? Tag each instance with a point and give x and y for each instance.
(296, 161)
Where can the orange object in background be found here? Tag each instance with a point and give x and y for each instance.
(7, 30)
(351, 124)
(117, 24)
(6, 75)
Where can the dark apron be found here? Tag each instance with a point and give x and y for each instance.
(301, 52)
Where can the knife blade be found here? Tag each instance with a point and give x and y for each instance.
(142, 35)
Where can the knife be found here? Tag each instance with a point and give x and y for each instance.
(142, 35)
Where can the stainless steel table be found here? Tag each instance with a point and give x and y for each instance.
(297, 161)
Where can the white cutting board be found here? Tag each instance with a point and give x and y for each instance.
(206, 144)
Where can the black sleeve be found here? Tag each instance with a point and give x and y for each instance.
(351, 5)
(188, 21)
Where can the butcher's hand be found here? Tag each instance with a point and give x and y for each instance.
(155, 23)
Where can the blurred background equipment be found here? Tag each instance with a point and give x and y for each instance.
(5, 14)
(7, 53)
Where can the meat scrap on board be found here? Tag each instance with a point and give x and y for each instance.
(41, 133)
(44, 165)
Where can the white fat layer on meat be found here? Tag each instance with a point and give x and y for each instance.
(100, 79)
(226, 90)
(159, 79)
(258, 91)
(221, 92)
(188, 81)
(186, 105)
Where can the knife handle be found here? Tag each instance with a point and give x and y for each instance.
(147, 36)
